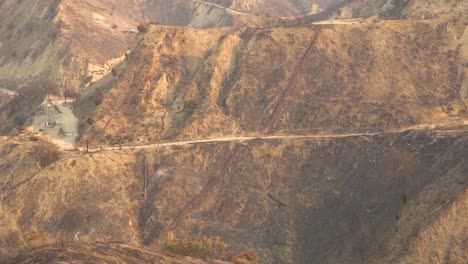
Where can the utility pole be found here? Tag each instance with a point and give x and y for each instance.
(65, 93)
(49, 113)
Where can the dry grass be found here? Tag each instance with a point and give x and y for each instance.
(202, 248)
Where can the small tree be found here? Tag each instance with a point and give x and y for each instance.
(71, 94)
(88, 79)
(190, 106)
(99, 98)
(46, 153)
(89, 121)
(142, 28)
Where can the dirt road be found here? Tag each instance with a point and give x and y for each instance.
(66, 129)
(8, 92)
(69, 123)
(420, 127)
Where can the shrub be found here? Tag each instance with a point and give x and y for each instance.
(190, 105)
(89, 121)
(142, 28)
(71, 94)
(99, 98)
(202, 248)
(88, 79)
(46, 153)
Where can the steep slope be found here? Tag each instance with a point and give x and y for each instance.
(67, 41)
(426, 9)
(98, 33)
(356, 77)
(56, 40)
(29, 46)
(16, 110)
(67, 44)
(355, 200)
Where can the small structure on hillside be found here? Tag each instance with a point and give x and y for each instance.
(49, 114)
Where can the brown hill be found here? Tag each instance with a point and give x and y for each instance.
(188, 83)
(379, 176)
(63, 41)
(67, 41)
(376, 199)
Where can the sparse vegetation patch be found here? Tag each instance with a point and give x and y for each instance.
(205, 247)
